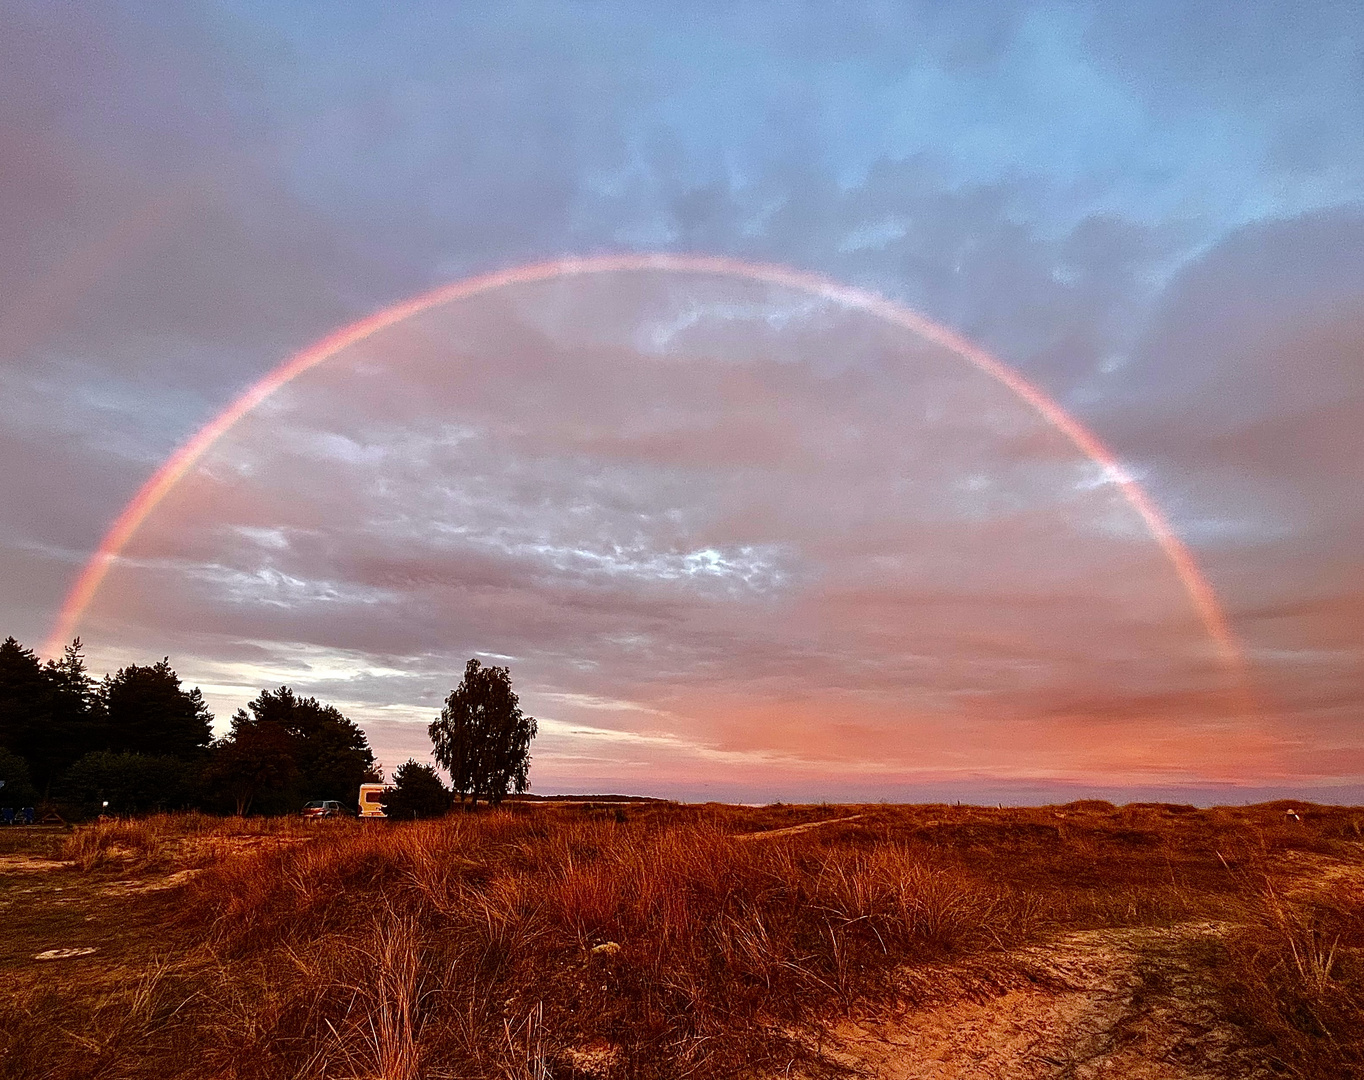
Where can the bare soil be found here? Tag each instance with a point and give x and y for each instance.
(98, 924)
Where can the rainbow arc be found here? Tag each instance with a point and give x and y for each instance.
(150, 495)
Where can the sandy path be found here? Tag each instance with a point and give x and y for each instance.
(792, 830)
(1101, 1003)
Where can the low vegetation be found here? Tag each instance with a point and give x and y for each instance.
(1294, 978)
(652, 940)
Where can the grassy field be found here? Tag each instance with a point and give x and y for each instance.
(656, 940)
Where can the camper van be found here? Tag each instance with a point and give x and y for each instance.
(371, 800)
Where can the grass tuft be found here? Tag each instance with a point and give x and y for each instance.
(1294, 980)
(123, 844)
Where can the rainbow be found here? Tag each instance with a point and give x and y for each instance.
(127, 523)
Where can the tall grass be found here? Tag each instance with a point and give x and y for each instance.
(687, 941)
(131, 845)
(647, 947)
(47, 1032)
(1294, 979)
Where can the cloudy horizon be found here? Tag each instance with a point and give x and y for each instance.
(735, 541)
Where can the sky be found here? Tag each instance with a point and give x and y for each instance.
(735, 539)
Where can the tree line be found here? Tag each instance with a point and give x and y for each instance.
(138, 741)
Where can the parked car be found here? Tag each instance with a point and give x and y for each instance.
(320, 808)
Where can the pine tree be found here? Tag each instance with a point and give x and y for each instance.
(289, 749)
(78, 718)
(148, 713)
(26, 712)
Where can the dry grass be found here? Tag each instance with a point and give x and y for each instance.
(133, 845)
(660, 941)
(485, 935)
(1294, 979)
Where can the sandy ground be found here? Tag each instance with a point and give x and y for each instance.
(792, 830)
(1116, 1004)
(1101, 1003)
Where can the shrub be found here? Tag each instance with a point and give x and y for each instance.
(18, 789)
(129, 783)
(417, 793)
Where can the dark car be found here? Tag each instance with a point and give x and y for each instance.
(320, 808)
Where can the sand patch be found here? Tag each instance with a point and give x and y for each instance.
(65, 954)
(1126, 1003)
(29, 864)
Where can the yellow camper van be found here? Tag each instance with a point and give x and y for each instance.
(371, 800)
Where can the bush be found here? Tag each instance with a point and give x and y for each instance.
(129, 783)
(417, 792)
(18, 789)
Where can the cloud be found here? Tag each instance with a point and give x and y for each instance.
(596, 510)
(1151, 212)
(1274, 315)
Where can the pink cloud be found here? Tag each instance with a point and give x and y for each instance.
(819, 551)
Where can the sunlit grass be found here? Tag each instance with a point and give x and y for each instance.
(660, 940)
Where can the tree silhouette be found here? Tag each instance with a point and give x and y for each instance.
(26, 712)
(128, 783)
(482, 738)
(49, 714)
(252, 761)
(17, 789)
(148, 713)
(417, 792)
(79, 722)
(289, 749)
